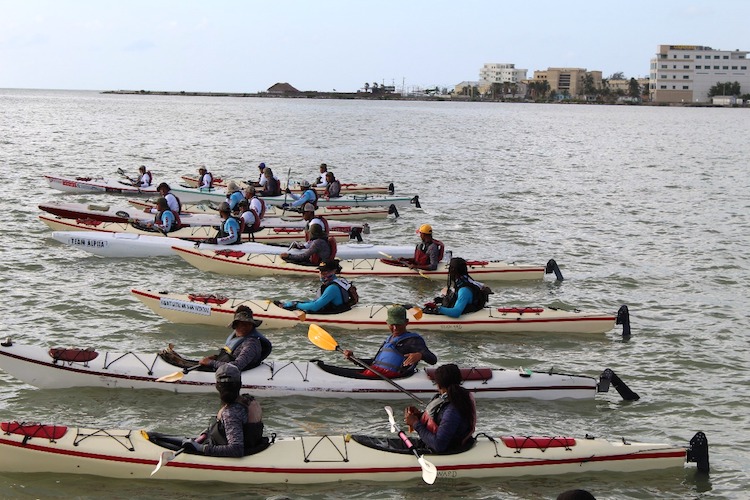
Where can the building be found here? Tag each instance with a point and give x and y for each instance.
(500, 74)
(685, 73)
(568, 81)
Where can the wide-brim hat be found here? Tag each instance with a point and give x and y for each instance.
(397, 316)
(228, 373)
(245, 317)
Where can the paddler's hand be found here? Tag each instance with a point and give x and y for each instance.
(206, 361)
(412, 358)
(411, 417)
(348, 354)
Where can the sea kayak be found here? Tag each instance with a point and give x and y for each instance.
(278, 236)
(217, 195)
(143, 245)
(60, 368)
(249, 264)
(97, 185)
(218, 310)
(128, 454)
(332, 212)
(193, 181)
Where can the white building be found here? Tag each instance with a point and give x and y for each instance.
(685, 73)
(500, 73)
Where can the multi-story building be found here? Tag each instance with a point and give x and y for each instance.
(568, 81)
(685, 73)
(499, 73)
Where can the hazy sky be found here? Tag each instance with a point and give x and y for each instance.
(247, 46)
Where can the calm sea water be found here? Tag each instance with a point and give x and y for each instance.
(640, 206)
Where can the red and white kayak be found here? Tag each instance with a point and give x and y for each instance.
(128, 454)
(218, 310)
(130, 245)
(335, 212)
(248, 264)
(270, 236)
(193, 181)
(60, 368)
(97, 185)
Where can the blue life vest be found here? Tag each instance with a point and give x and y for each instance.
(389, 357)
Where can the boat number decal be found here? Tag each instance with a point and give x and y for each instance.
(83, 242)
(69, 183)
(447, 473)
(185, 306)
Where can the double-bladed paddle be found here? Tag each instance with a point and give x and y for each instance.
(324, 340)
(421, 273)
(429, 471)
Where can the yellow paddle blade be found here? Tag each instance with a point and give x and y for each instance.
(172, 377)
(321, 338)
(416, 312)
(301, 315)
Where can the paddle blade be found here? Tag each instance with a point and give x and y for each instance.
(166, 457)
(392, 420)
(302, 316)
(321, 338)
(172, 377)
(387, 256)
(429, 471)
(416, 312)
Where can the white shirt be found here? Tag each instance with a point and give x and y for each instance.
(206, 181)
(256, 204)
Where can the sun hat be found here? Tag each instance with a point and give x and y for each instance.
(309, 207)
(244, 317)
(397, 316)
(232, 186)
(228, 373)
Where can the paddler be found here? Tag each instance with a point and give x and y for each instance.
(205, 179)
(307, 195)
(164, 220)
(334, 296)
(173, 202)
(229, 229)
(448, 422)
(321, 180)
(463, 295)
(245, 347)
(316, 250)
(401, 351)
(333, 186)
(144, 177)
(237, 429)
(428, 253)
(234, 195)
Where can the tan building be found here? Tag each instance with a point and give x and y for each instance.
(568, 81)
(685, 73)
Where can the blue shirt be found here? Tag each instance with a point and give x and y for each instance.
(465, 296)
(235, 198)
(232, 228)
(308, 196)
(331, 295)
(167, 221)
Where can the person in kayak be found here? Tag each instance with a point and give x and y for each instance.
(270, 183)
(333, 186)
(229, 230)
(463, 295)
(164, 220)
(401, 351)
(261, 168)
(428, 254)
(144, 177)
(308, 195)
(250, 218)
(173, 202)
(234, 195)
(335, 295)
(245, 347)
(321, 180)
(448, 422)
(308, 214)
(205, 179)
(316, 250)
(251, 195)
(237, 429)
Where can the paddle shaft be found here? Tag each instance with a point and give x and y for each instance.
(394, 384)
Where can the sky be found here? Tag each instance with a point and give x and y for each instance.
(249, 45)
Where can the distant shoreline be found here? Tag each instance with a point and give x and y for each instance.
(396, 97)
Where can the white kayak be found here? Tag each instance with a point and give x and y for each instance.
(218, 310)
(97, 185)
(132, 454)
(193, 181)
(249, 264)
(107, 213)
(60, 368)
(278, 236)
(128, 245)
(217, 195)
(331, 212)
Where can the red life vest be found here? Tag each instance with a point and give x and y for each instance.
(421, 257)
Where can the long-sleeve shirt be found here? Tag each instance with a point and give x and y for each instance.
(317, 246)
(452, 425)
(167, 221)
(331, 295)
(232, 229)
(300, 199)
(233, 417)
(247, 355)
(464, 298)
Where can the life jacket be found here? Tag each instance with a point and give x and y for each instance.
(349, 296)
(333, 190)
(149, 176)
(235, 197)
(315, 197)
(252, 428)
(433, 415)
(233, 342)
(421, 258)
(157, 220)
(210, 180)
(177, 219)
(388, 357)
(273, 187)
(480, 294)
(255, 225)
(262, 207)
(222, 233)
